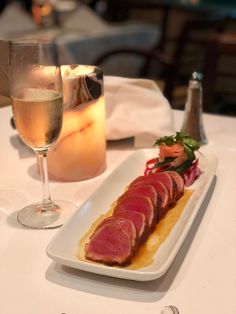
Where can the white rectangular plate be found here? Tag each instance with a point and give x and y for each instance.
(63, 247)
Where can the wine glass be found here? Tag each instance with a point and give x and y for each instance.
(37, 105)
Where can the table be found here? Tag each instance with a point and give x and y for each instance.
(202, 278)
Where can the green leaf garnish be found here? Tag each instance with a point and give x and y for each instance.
(168, 140)
(189, 152)
(166, 161)
(183, 167)
(188, 142)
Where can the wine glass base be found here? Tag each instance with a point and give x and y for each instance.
(33, 217)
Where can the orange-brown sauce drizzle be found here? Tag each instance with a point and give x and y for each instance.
(145, 253)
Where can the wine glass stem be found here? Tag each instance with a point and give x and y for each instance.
(47, 203)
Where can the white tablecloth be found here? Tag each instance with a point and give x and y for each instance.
(202, 278)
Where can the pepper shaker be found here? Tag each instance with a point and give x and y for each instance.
(193, 122)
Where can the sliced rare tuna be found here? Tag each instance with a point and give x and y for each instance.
(110, 245)
(141, 190)
(123, 223)
(140, 204)
(166, 179)
(163, 177)
(164, 198)
(139, 220)
(179, 181)
(161, 189)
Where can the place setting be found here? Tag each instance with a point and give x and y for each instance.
(118, 157)
(66, 115)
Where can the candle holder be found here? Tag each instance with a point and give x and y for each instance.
(80, 151)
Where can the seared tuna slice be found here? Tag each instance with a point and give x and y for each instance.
(164, 197)
(170, 184)
(163, 192)
(123, 223)
(140, 204)
(160, 177)
(139, 180)
(139, 220)
(110, 245)
(179, 181)
(142, 190)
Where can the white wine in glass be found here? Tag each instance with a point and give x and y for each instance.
(37, 105)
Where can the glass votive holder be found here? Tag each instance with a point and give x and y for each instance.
(80, 151)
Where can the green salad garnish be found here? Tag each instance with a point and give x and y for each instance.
(188, 142)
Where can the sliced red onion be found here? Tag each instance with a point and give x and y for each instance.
(192, 173)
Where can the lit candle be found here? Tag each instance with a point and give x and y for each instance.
(80, 151)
